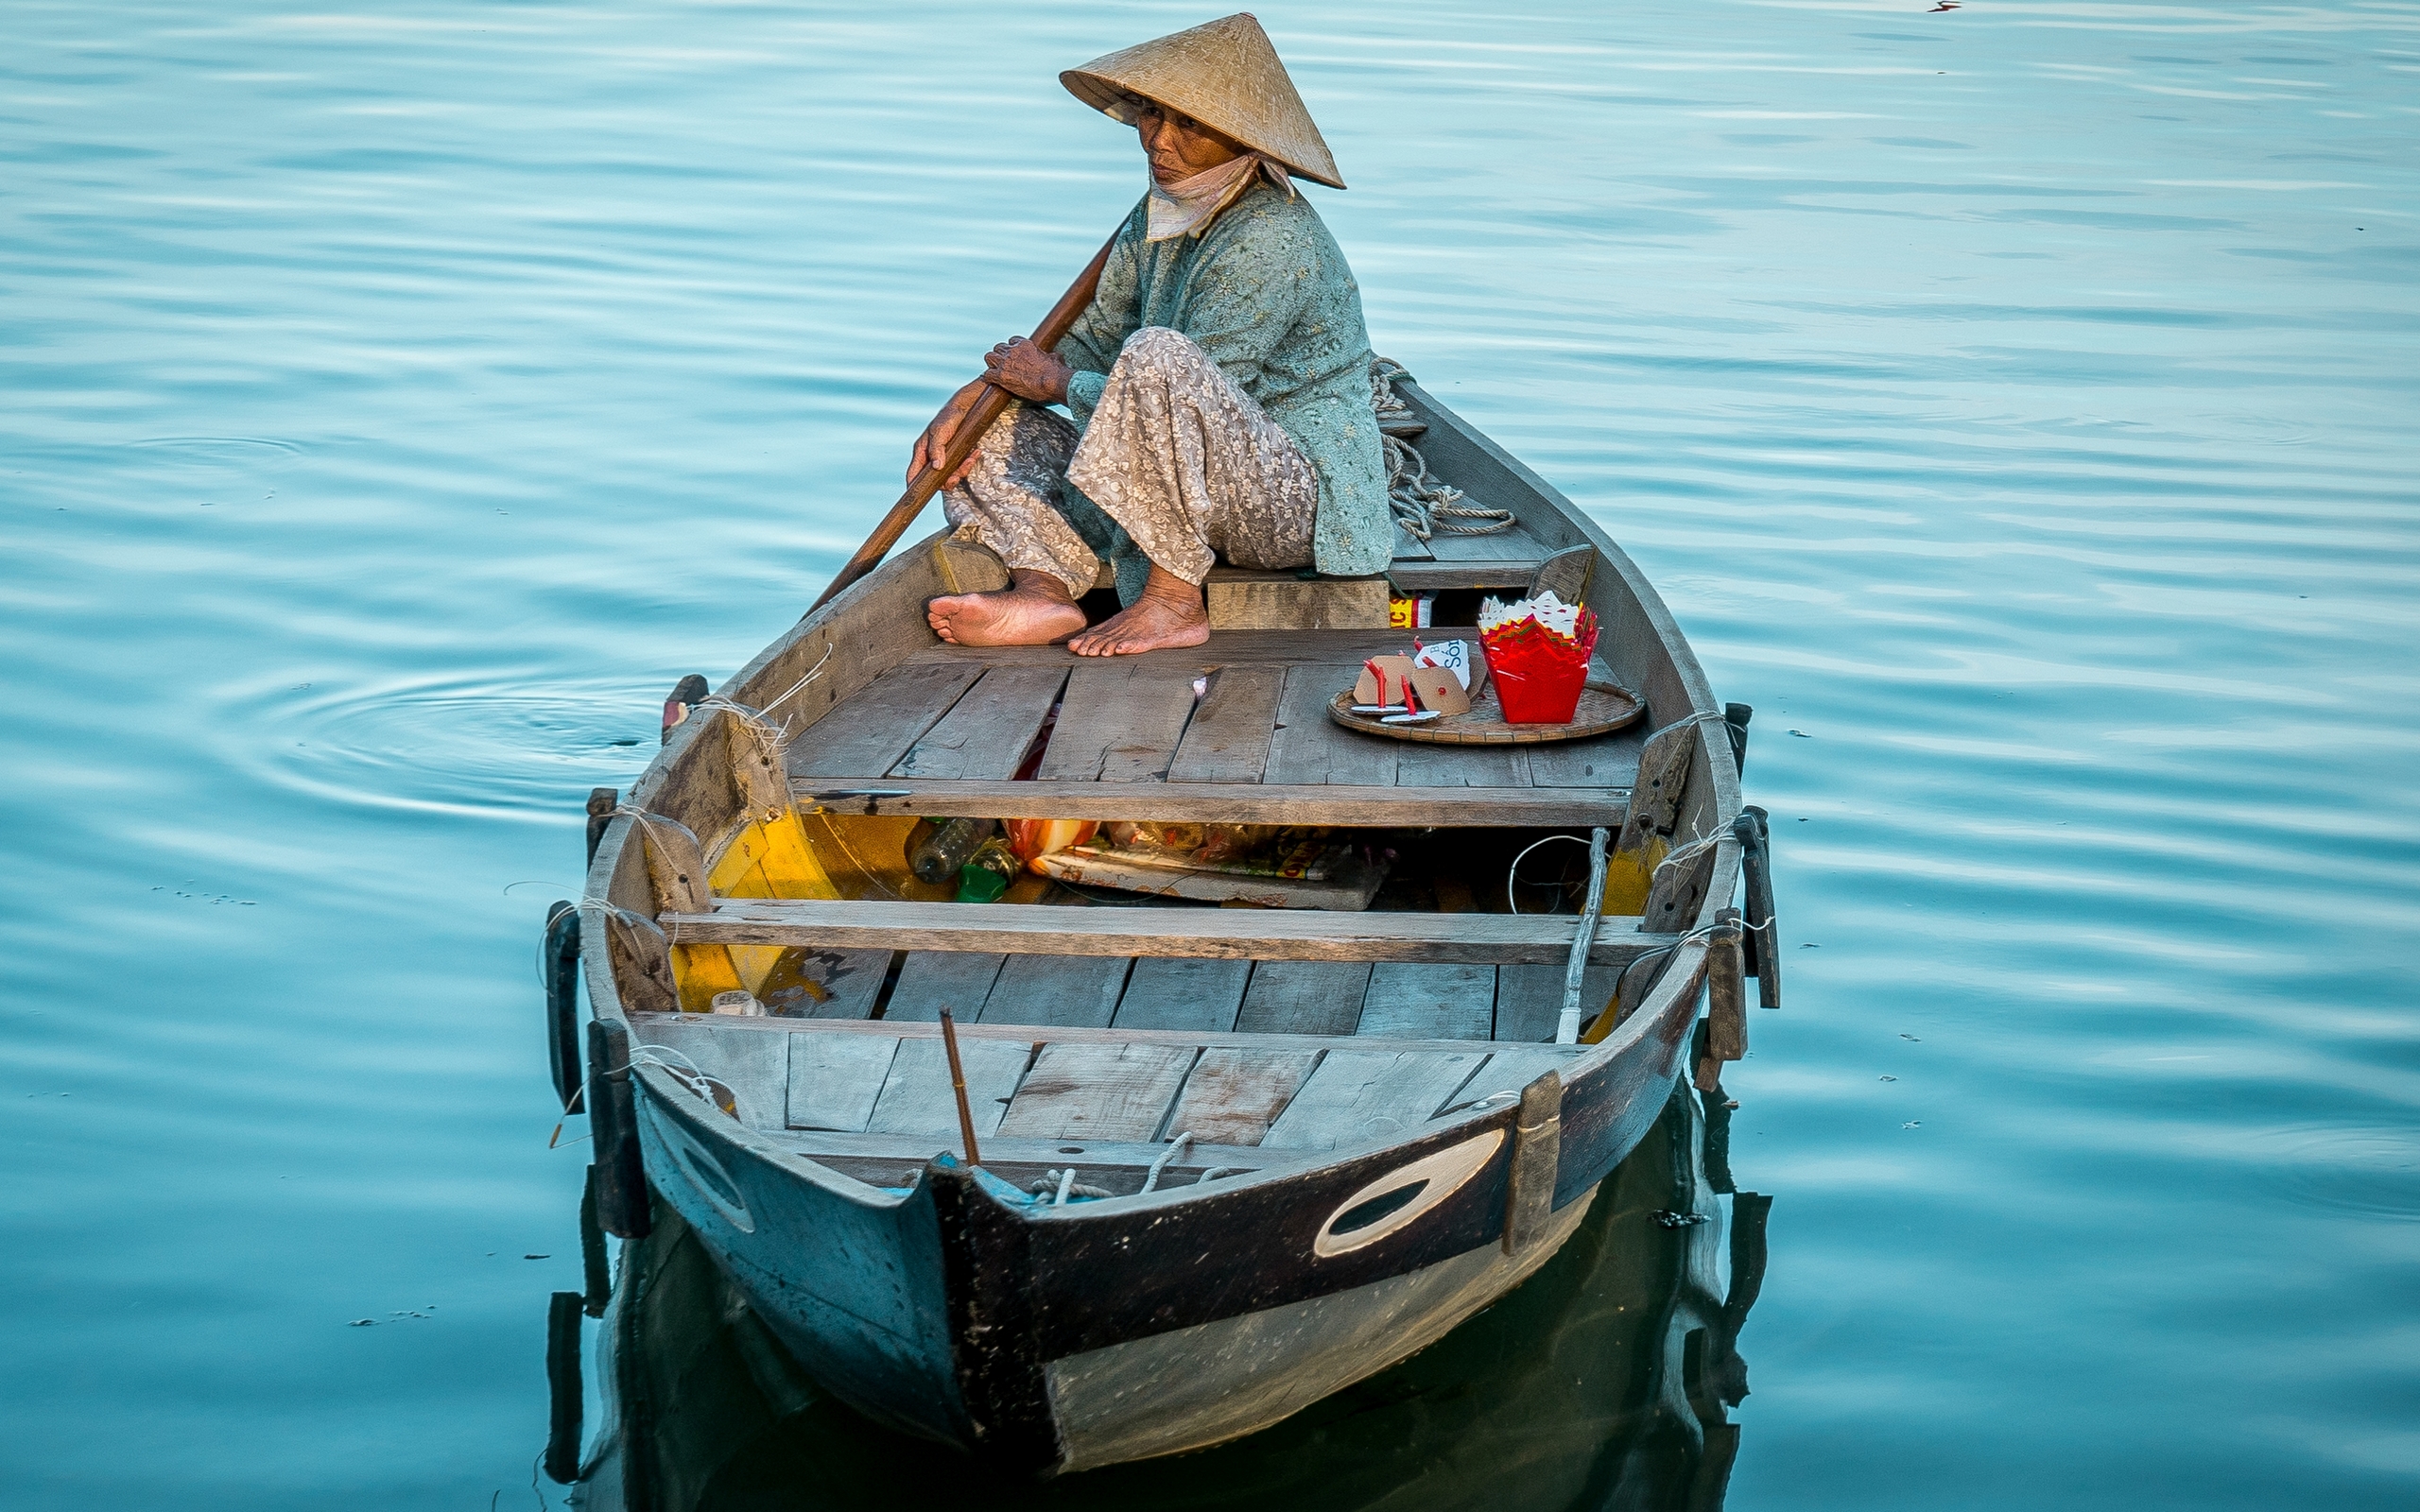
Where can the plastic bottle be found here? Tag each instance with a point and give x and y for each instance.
(988, 872)
(935, 853)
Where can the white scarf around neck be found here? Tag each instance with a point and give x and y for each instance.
(1189, 206)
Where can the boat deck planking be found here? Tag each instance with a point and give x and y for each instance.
(1041, 1084)
(944, 729)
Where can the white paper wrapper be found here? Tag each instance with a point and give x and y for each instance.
(1546, 609)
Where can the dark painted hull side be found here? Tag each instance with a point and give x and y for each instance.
(939, 1312)
(1599, 1383)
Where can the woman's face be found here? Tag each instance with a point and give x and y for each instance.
(1179, 145)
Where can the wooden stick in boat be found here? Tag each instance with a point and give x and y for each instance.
(958, 1085)
(979, 417)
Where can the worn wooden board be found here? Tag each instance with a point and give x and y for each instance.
(1038, 1034)
(850, 980)
(1121, 724)
(1098, 1093)
(986, 734)
(930, 981)
(1230, 802)
(1607, 760)
(1423, 766)
(1304, 997)
(834, 1079)
(1076, 991)
(1310, 749)
(1412, 1002)
(1509, 1070)
(1223, 649)
(1528, 999)
(1228, 739)
(758, 1075)
(1229, 933)
(1514, 544)
(874, 728)
(917, 1097)
(1235, 1095)
(1356, 1096)
(889, 1158)
(1507, 577)
(1289, 603)
(1166, 993)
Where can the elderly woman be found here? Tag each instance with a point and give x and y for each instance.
(1218, 381)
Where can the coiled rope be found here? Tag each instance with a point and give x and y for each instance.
(1424, 507)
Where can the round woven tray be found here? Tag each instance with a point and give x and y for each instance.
(1602, 707)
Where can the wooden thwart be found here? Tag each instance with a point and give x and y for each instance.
(1271, 934)
(1205, 802)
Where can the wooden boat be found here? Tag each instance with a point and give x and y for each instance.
(1615, 1366)
(1275, 1150)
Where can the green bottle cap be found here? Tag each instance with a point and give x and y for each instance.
(980, 885)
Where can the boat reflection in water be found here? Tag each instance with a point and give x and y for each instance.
(1603, 1382)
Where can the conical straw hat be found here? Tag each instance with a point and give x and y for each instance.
(1224, 75)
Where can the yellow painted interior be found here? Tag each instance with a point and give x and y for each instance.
(1627, 876)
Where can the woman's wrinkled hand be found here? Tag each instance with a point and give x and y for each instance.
(1027, 371)
(934, 444)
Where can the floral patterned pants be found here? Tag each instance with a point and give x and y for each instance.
(1178, 467)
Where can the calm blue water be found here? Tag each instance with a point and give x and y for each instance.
(2018, 401)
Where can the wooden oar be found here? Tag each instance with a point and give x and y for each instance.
(986, 409)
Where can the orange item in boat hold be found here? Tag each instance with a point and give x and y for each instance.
(1032, 838)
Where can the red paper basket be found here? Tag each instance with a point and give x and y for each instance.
(1539, 675)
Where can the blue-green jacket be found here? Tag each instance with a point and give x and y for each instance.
(1266, 293)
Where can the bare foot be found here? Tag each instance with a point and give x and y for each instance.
(1036, 611)
(1170, 613)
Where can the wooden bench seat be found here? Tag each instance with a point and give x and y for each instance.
(945, 731)
(1192, 934)
(878, 1091)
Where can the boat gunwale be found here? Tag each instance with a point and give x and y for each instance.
(696, 763)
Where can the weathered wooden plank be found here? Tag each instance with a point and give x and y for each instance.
(1098, 1093)
(834, 1079)
(1223, 649)
(1606, 760)
(1168, 993)
(1292, 604)
(1360, 1095)
(1075, 991)
(1228, 739)
(1409, 1001)
(1436, 576)
(1304, 997)
(1211, 933)
(872, 728)
(930, 981)
(917, 1097)
(1509, 1070)
(987, 732)
(851, 981)
(1222, 802)
(1419, 765)
(1528, 999)
(1121, 723)
(1313, 749)
(889, 1158)
(1233, 1095)
(1515, 544)
(757, 1074)
(1680, 886)
(1030, 1034)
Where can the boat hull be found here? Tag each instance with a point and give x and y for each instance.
(1052, 1339)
